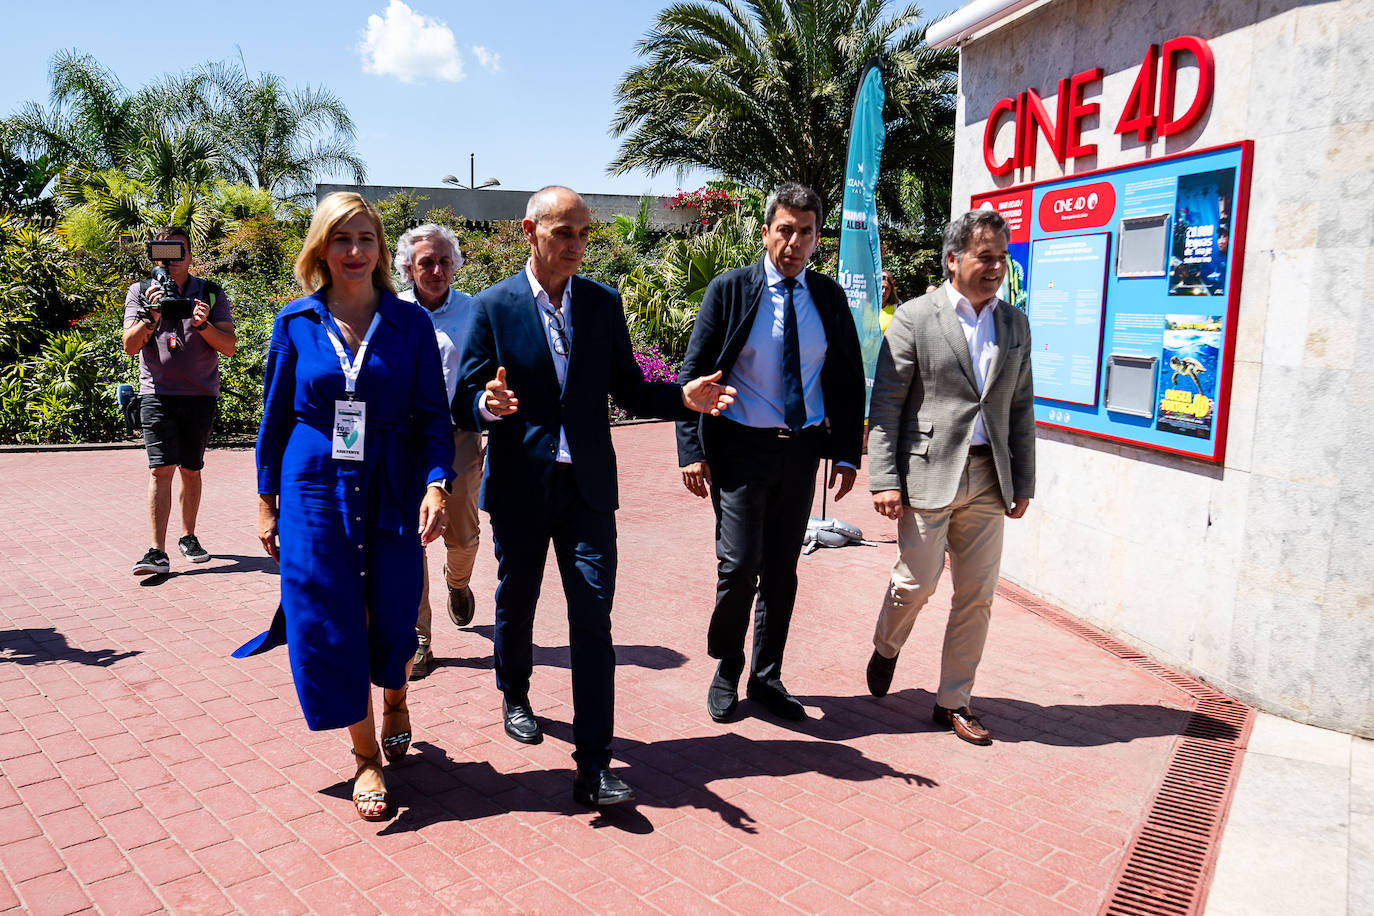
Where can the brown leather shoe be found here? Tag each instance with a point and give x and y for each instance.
(963, 723)
(424, 661)
(461, 606)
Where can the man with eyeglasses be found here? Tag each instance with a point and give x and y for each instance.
(544, 350)
(951, 452)
(429, 256)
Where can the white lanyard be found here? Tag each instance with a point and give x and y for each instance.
(350, 371)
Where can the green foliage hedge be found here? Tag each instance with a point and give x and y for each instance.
(61, 307)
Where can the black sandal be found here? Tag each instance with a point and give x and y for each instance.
(395, 744)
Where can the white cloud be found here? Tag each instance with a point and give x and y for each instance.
(409, 46)
(488, 58)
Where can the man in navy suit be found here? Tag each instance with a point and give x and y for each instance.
(544, 349)
(784, 337)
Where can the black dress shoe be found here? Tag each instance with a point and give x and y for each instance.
(595, 788)
(880, 673)
(722, 700)
(520, 721)
(775, 698)
(461, 606)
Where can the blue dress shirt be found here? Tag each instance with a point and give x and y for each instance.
(757, 374)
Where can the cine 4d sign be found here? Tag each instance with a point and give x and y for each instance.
(1149, 111)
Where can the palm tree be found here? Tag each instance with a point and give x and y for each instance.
(167, 178)
(761, 92)
(92, 118)
(275, 139)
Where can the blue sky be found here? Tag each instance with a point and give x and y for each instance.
(526, 85)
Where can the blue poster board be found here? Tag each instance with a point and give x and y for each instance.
(1130, 278)
(1065, 311)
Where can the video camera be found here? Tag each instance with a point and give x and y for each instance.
(173, 304)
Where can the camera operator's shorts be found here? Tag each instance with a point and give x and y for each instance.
(176, 428)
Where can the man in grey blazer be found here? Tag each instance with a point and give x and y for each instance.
(952, 452)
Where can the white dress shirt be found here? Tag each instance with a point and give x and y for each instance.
(560, 363)
(980, 330)
(450, 324)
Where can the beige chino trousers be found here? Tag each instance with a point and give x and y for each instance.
(463, 532)
(972, 527)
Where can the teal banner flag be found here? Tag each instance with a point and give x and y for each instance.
(861, 263)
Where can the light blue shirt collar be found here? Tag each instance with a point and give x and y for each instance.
(773, 276)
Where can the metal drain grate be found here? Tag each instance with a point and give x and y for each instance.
(1168, 864)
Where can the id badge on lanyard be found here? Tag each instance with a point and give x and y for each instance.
(350, 416)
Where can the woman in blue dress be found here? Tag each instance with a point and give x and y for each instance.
(356, 444)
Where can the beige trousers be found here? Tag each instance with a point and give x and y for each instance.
(463, 532)
(972, 527)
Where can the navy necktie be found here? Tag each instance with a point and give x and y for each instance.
(793, 400)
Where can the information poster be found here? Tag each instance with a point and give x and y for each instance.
(1164, 319)
(1068, 278)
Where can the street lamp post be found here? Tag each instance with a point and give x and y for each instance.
(472, 184)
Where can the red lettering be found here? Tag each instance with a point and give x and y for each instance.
(1206, 67)
(1003, 106)
(1036, 118)
(1075, 110)
(1139, 113)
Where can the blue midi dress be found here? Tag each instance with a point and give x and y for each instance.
(348, 530)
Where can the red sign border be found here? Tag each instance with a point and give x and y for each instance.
(1238, 229)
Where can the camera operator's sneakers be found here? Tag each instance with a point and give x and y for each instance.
(154, 562)
(190, 549)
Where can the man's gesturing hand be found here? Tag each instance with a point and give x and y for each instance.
(707, 395)
(696, 477)
(888, 503)
(500, 400)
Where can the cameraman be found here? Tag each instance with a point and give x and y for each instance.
(178, 375)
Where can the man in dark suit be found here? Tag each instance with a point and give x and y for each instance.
(543, 351)
(784, 338)
(951, 456)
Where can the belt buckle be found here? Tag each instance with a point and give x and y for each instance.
(785, 433)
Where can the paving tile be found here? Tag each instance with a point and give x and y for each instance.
(28, 859)
(337, 896)
(229, 863)
(56, 894)
(124, 895)
(134, 828)
(163, 862)
(198, 895)
(96, 860)
(70, 827)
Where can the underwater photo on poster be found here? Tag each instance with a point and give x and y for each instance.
(1202, 234)
(1188, 374)
(1014, 290)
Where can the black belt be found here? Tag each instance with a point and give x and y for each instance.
(983, 450)
(775, 432)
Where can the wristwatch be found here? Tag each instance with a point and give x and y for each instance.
(447, 485)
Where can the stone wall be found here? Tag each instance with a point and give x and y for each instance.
(1257, 575)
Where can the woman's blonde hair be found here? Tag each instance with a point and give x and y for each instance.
(341, 206)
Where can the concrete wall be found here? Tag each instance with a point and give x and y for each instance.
(1257, 575)
(498, 204)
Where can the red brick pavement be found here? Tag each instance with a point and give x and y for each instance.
(142, 769)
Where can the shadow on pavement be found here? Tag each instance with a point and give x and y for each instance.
(655, 658)
(45, 644)
(239, 564)
(433, 788)
(1063, 725)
